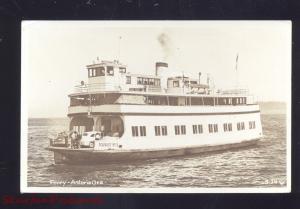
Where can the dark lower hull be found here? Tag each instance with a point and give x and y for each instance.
(89, 156)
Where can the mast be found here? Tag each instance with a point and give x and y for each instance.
(119, 47)
(236, 70)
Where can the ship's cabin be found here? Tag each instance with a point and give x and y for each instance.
(110, 83)
(105, 69)
(142, 83)
(184, 84)
(105, 75)
(113, 76)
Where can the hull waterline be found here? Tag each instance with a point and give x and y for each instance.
(90, 156)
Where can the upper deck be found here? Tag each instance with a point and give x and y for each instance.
(110, 83)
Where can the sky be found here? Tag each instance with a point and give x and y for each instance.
(55, 55)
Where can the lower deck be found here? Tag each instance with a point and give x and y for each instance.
(91, 156)
(214, 125)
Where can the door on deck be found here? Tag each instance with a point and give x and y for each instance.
(106, 122)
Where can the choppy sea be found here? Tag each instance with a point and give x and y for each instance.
(263, 165)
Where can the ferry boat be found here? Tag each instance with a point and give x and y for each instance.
(155, 116)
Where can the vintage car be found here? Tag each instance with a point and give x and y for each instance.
(88, 138)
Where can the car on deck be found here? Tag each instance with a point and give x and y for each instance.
(88, 138)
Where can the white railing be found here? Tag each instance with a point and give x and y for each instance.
(110, 87)
(96, 87)
(153, 88)
(235, 92)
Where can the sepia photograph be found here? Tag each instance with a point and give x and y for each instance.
(156, 106)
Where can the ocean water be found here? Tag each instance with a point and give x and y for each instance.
(263, 165)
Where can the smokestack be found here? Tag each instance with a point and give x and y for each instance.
(159, 67)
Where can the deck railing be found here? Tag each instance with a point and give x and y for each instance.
(96, 87)
(153, 89)
(235, 92)
(110, 87)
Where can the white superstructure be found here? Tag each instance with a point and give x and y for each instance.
(144, 112)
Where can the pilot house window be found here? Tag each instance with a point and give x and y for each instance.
(110, 70)
(122, 70)
(100, 71)
(93, 72)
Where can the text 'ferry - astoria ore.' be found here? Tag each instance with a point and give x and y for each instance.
(119, 116)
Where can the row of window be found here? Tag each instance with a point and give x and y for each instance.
(144, 81)
(161, 130)
(176, 83)
(227, 127)
(138, 130)
(212, 128)
(100, 71)
(181, 129)
(148, 81)
(197, 129)
(97, 99)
